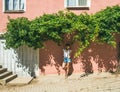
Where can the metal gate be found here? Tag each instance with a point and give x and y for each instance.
(23, 61)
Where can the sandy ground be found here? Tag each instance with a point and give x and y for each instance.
(103, 82)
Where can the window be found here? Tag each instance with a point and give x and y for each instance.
(14, 5)
(77, 3)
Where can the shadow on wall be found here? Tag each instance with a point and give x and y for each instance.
(51, 59)
(26, 61)
(99, 57)
(51, 56)
(95, 58)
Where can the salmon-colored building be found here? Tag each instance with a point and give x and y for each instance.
(97, 57)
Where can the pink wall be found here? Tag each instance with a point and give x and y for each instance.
(38, 7)
(96, 57)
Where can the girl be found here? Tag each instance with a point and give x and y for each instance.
(67, 59)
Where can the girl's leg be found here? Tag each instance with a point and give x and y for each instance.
(67, 69)
(64, 65)
(66, 73)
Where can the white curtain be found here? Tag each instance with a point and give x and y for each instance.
(21, 4)
(82, 2)
(71, 2)
(15, 4)
(9, 4)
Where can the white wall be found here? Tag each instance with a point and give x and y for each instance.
(24, 61)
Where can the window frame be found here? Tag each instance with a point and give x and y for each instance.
(77, 4)
(13, 11)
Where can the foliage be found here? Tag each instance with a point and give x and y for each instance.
(84, 28)
(51, 27)
(86, 31)
(109, 22)
(17, 32)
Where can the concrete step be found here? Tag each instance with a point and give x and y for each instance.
(0, 66)
(20, 81)
(11, 77)
(2, 70)
(7, 79)
(5, 74)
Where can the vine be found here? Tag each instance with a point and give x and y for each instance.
(84, 28)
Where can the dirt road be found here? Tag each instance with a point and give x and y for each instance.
(103, 82)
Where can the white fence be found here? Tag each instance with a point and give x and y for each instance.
(24, 61)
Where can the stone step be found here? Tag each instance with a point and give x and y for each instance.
(0, 66)
(2, 70)
(5, 74)
(7, 79)
(20, 81)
